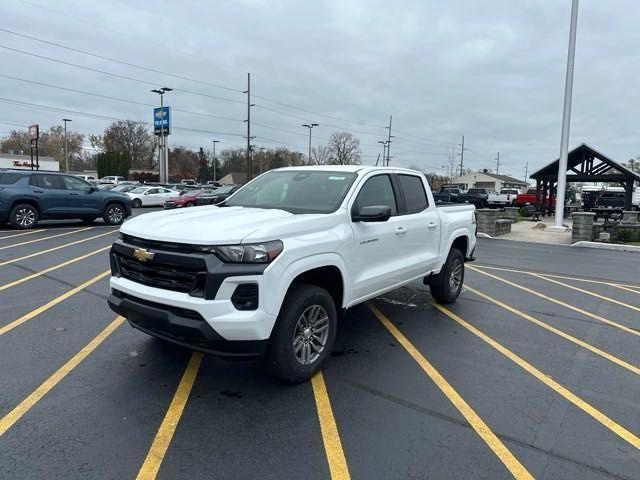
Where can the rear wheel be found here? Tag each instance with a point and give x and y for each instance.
(137, 203)
(446, 286)
(24, 216)
(304, 333)
(114, 214)
(189, 204)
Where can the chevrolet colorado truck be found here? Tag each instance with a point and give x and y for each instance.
(268, 272)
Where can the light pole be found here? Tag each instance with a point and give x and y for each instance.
(566, 122)
(214, 158)
(310, 127)
(163, 161)
(66, 151)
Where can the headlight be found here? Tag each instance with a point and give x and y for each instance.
(252, 253)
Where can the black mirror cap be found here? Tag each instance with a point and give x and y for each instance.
(372, 213)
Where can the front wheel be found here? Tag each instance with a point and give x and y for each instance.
(446, 286)
(24, 216)
(304, 333)
(114, 214)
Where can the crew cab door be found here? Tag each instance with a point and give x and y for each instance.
(81, 198)
(377, 262)
(50, 192)
(422, 224)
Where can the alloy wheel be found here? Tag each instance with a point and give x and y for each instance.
(310, 334)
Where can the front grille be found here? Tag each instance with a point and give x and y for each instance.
(163, 274)
(181, 312)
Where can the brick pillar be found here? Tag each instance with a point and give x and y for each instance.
(487, 221)
(630, 216)
(582, 227)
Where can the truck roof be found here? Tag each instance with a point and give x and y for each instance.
(348, 168)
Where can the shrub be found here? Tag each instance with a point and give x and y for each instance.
(623, 236)
(113, 163)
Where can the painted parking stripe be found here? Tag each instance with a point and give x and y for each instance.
(482, 429)
(596, 414)
(24, 406)
(338, 467)
(610, 283)
(587, 292)
(51, 269)
(622, 287)
(29, 232)
(557, 331)
(49, 250)
(163, 437)
(559, 302)
(34, 313)
(47, 238)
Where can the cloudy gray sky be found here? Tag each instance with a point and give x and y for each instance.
(492, 71)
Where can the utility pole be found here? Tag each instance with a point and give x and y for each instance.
(66, 151)
(526, 171)
(384, 150)
(566, 122)
(498, 164)
(248, 121)
(310, 127)
(214, 158)
(262, 150)
(462, 149)
(389, 140)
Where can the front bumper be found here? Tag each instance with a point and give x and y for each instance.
(181, 326)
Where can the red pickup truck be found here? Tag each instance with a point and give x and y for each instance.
(530, 198)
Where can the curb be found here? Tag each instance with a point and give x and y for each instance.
(483, 235)
(607, 246)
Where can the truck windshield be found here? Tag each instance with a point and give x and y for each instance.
(295, 191)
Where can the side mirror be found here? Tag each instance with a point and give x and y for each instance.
(371, 213)
(93, 189)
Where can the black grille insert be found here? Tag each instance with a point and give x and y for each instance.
(245, 296)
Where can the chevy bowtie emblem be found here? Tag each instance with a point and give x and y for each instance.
(143, 255)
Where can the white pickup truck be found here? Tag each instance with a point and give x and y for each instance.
(269, 271)
(506, 197)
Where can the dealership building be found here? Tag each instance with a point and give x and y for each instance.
(23, 162)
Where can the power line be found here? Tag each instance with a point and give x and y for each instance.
(108, 97)
(122, 62)
(117, 75)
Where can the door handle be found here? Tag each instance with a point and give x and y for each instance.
(401, 231)
(432, 225)
(38, 191)
(74, 194)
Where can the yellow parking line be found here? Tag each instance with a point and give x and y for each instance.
(561, 303)
(24, 406)
(622, 287)
(587, 292)
(49, 250)
(51, 269)
(330, 437)
(163, 437)
(46, 238)
(547, 380)
(553, 275)
(557, 331)
(33, 313)
(493, 442)
(29, 232)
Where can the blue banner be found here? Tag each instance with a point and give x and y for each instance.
(162, 120)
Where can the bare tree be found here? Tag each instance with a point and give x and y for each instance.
(51, 144)
(320, 155)
(633, 165)
(128, 136)
(344, 149)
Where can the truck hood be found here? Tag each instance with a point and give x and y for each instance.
(206, 225)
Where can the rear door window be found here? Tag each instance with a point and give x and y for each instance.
(50, 182)
(414, 194)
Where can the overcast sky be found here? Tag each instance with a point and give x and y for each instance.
(492, 71)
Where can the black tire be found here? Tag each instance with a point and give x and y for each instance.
(282, 356)
(445, 289)
(114, 214)
(24, 216)
(137, 203)
(189, 204)
(88, 220)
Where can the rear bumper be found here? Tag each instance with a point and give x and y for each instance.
(181, 326)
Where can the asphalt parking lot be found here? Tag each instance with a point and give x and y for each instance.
(532, 373)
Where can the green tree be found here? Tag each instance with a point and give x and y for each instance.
(113, 163)
(204, 169)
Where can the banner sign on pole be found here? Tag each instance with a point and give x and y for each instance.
(34, 132)
(162, 120)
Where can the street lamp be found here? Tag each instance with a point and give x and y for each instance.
(66, 154)
(214, 158)
(310, 126)
(163, 161)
